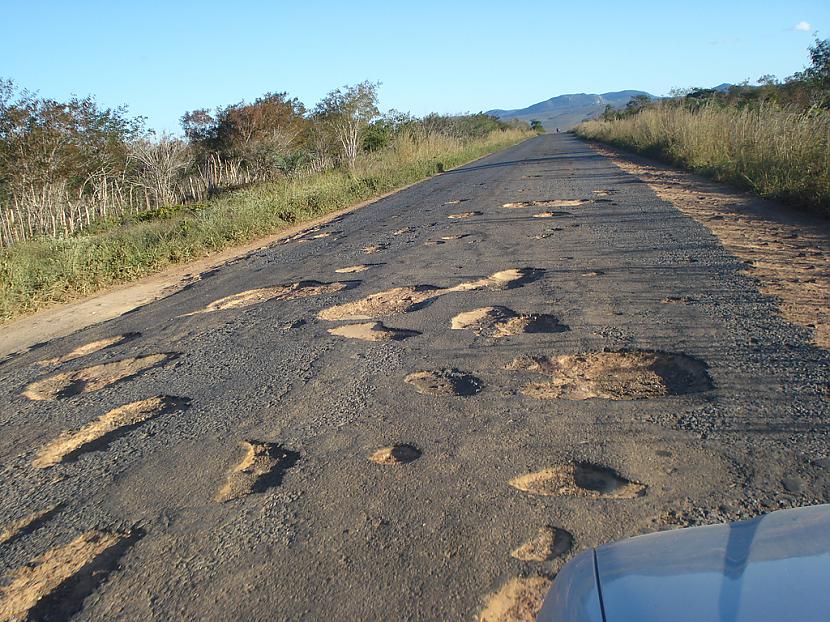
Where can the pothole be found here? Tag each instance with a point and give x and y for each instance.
(676, 300)
(445, 382)
(604, 193)
(518, 600)
(623, 375)
(500, 321)
(548, 543)
(396, 454)
(373, 331)
(460, 236)
(579, 480)
(54, 585)
(99, 433)
(262, 468)
(88, 379)
(592, 273)
(371, 249)
(402, 231)
(464, 215)
(27, 524)
(455, 201)
(89, 348)
(407, 299)
(551, 203)
(352, 269)
(291, 291)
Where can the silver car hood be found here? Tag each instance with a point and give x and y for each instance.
(773, 567)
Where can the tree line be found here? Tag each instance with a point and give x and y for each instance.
(804, 91)
(68, 165)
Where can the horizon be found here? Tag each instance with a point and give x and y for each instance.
(160, 69)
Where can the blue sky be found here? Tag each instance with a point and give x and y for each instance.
(162, 58)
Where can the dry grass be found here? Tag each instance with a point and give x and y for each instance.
(776, 153)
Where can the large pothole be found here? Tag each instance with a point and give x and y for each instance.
(498, 321)
(396, 454)
(549, 203)
(67, 384)
(54, 585)
(407, 299)
(89, 348)
(581, 479)
(373, 331)
(623, 375)
(518, 600)
(546, 544)
(99, 433)
(261, 468)
(291, 291)
(445, 382)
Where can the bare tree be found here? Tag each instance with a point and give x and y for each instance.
(347, 112)
(161, 164)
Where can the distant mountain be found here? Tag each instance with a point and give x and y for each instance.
(566, 111)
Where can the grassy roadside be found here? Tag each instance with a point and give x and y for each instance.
(37, 273)
(776, 153)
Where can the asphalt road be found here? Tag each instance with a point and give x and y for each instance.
(327, 534)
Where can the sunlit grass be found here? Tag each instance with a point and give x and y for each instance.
(776, 153)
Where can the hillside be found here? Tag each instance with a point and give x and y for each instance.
(566, 111)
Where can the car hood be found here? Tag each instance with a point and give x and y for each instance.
(774, 567)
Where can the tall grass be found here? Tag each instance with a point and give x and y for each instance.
(34, 273)
(776, 153)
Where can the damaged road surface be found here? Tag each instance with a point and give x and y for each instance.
(539, 357)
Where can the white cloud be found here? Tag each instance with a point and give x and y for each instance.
(803, 26)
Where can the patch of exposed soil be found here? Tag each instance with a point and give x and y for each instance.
(396, 454)
(67, 384)
(548, 543)
(353, 269)
(261, 468)
(373, 331)
(463, 215)
(89, 348)
(449, 238)
(406, 299)
(551, 203)
(445, 382)
(291, 291)
(54, 585)
(788, 252)
(27, 524)
(624, 375)
(371, 249)
(97, 434)
(518, 600)
(499, 322)
(579, 480)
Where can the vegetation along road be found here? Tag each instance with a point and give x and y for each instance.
(419, 410)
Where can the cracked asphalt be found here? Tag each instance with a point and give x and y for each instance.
(336, 536)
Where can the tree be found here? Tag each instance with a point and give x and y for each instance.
(346, 113)
(537, 126)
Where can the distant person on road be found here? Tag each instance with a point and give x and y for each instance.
(557, 130)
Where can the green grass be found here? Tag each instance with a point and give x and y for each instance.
(36, 273)
(776, 153)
